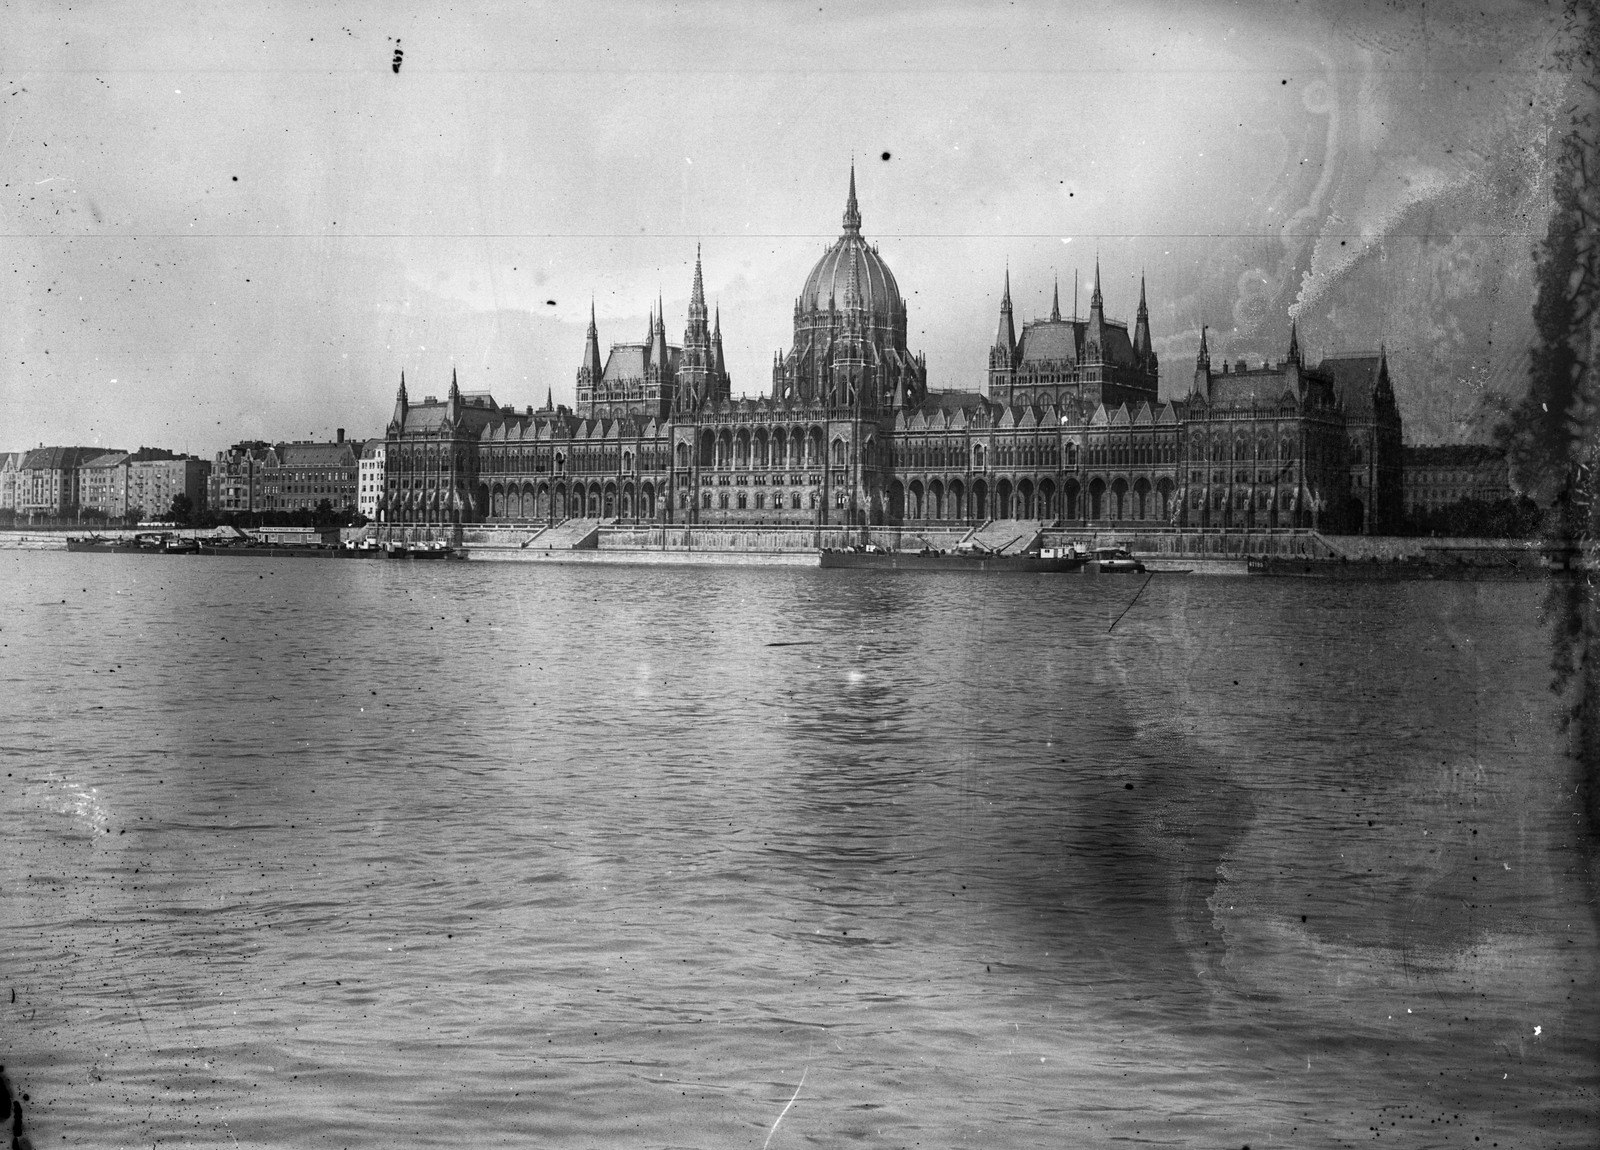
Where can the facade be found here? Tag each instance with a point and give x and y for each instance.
(103, 484)
(307, 473)
(1437, 477)
(1066, 427)
(10, 461)
(238, 483)
(47, 483)
(155, 478)
(370, 487)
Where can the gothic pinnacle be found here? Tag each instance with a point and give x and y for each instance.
(852, 210)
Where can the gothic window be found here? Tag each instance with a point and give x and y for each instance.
(794, 501)
(743, 500)
(722, 500)
(838, 453)
(705, 500)
(761, 500)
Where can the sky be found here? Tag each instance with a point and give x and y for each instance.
(228, 222)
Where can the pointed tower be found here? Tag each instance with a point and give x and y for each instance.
(1294, 381)
(1055, 301)
(658, 340)
(401, 404)
(698, 377)
(1003, 355)
(1202, 368)
(1141, 326)
(1094, 335)
(718, 365)
(591, 370)
(852, 211)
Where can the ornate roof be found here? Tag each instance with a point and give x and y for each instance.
(830, 279)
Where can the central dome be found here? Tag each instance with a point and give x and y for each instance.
(830, 279)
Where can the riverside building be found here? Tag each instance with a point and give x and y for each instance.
(1067, 427)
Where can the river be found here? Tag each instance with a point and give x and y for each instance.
(369, 854)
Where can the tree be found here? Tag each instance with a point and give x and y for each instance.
(182, 509)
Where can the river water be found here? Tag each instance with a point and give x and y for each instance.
(368, 854)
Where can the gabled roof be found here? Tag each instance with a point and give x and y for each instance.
(1143, 416)
(1028, 420)
(1007, 419)
(1166, 414)
(958, 420)
(1099, 418)
(1119, 417)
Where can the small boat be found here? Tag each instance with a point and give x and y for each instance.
(874, 557)
(431, 550)
(1112, 561)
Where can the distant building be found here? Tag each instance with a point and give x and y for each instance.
(308, 473)
(1066, 427)
(10, 461)
(103, 484)
(157, 477)
(47, 481)
(237, 482)
(371, 483)
(1439, 476)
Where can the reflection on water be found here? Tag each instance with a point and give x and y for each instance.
(356, 853)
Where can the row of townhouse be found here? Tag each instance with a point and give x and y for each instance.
(64, 482)
(255, 476)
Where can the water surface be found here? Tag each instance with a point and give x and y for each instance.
(375, 854)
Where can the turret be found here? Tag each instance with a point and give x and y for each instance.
(719, 364)
(591, 369)
(1202, 367)
(1055, 299)
(658, 342)
(1005, 339)
(401, 403)
(1094, 336)
(1141, 327)
(852, 211)
(1293, 381)
(452, 401)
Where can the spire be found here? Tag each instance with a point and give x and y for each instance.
(697, 295)
(1203, 360)
(549, 399)
(591, 350)
(1096, 303)
(1294, 341)
(658, 338)
(650, 327)
(455, 392)
(401, 404)
(852, 211)
(1074, 295)
(1055, 301)
(716, 343)
(852, 286)
(1005, 339)
(1141, 326)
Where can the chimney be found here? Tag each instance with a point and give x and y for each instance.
(340, 433)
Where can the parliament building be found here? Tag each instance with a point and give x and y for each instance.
(1067, 428)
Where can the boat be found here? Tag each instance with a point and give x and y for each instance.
(432, 550)
(1112, 561)
(878, 558)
